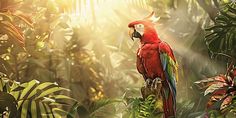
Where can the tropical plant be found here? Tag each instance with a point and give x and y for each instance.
(186, 109)
(220, 37)
(92, 60)
(9, 14)
(12, 38)
(142, 108)
(221, 91)
(32, 99)
(103, 108)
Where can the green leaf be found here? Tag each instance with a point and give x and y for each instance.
(24, 109)
(1, 85)
(59, 112)
(220, 36)
(101, 106)
(50, 91)
(42, 109)
(63, 97)
(40, 87)
(19, 103)
(31, 84)
(49, 111)
(15, 94)
(33, 109)
(73, 110)
(16, 86)
(49, 100)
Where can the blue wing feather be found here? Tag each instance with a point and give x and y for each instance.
(170, 69)
(170, 72)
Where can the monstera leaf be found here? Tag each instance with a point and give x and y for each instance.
(220, 37)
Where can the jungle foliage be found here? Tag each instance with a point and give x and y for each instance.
(52, 67)
(221, 36)
(32, 99)
(220, 40)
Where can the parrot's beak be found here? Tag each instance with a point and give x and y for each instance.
(131, 33)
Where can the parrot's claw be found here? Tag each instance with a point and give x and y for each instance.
(155, 83)
(148, 83)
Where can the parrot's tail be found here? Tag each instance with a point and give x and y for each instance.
(169, 101)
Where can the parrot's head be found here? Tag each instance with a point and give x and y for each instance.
(144, 29)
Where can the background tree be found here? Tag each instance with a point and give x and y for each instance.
(87, 49)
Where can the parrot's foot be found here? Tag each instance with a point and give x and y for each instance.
(155, 83)
(148, 83)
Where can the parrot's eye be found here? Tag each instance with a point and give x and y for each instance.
(139, 26)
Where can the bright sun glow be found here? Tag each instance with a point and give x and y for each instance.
(90, 11)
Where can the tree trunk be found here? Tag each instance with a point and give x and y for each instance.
(149, 90)
(209, 8)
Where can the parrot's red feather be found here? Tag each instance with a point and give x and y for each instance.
(150, 34)
(155, 59)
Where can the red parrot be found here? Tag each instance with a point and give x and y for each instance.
(156, 61)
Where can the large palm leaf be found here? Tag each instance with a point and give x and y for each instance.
(35, 99)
